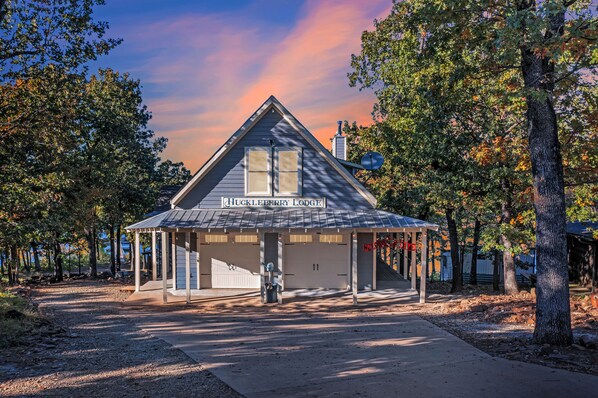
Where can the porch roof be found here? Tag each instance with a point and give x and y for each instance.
(232, 219)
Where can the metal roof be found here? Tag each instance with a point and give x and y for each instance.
(582, 228)
(204, 219)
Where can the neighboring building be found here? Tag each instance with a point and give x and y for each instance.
(582, 245)
(273, 194)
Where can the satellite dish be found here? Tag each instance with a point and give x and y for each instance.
(372, 161)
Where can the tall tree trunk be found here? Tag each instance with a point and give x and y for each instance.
(2, 262)
(473, 273)
(57, 260)
(118, 248)
(433, 251)
(112, 253)
(496, 271)
(12, 266)
(509, 272)
(38, 266)
(91, 243)
(553, 315)
(457, 284)
(48, 255)
(98, 251)
(26, 255)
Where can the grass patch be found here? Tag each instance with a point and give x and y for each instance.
(17, 319)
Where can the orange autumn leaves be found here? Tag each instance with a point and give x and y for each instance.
(502, 150)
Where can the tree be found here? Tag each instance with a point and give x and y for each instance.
(38, 33)
(43, 47)
(118, 156)
(550, 43)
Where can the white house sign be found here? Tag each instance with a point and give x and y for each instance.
(270, 202)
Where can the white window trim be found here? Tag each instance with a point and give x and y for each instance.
(268, 150)
(299, 191)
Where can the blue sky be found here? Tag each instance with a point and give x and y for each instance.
(205, 66)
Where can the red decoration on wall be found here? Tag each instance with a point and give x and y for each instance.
(390, 243)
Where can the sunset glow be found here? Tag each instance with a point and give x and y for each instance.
(205, 67)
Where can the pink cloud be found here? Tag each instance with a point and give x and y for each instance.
(209, 73)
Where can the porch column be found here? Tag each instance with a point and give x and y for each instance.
(137, 263)
(154, 259)
(280, 266)
(173, 256)
(198, 263)
(424, 271)
(164, 267)
(414, 260)
(188, 266)
(354, 267)
(262, 266)
(374, 263)
(405, 256)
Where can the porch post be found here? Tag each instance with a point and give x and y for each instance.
(424, 272)
(280, 266)
(164, 267)
(188, 266)
(262, 266)
(354, 266)
(173, 256)
(374, 263)
(154, 259)
(405, 256)
(414, 260)
(198, 263)
(137, 263)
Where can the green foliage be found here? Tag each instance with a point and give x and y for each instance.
(450, 117)
(38, 33)
(76, 154)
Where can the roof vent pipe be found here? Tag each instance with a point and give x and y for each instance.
(339, 143)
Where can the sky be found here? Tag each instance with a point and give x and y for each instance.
(206, 66)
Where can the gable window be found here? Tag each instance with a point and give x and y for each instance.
(288, 162)
(258, 171)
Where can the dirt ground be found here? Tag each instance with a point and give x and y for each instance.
(503, 326)
(95, 351)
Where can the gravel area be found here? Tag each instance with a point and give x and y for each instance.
(96, 351)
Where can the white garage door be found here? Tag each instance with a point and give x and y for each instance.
(316, 265)
(230, 266)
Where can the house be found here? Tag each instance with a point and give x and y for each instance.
(581, 247)
(273, 194)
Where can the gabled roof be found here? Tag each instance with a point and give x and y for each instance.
(271, 103)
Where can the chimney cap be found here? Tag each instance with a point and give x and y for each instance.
(339, 130)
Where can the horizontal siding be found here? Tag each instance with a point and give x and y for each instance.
(320, 179)
(181, 259)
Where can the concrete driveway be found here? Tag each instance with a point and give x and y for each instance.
(328, 348)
